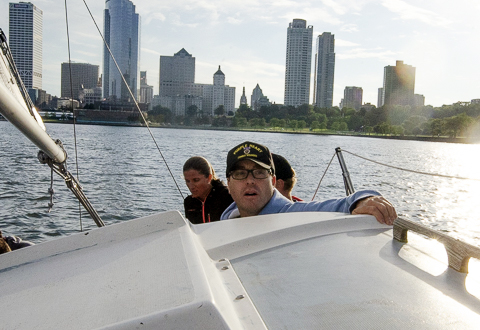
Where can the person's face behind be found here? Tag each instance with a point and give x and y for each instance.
(198, 184)
(250, 194)
(280, 185)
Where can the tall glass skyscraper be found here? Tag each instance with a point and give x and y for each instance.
(299, 63)
(122, 33)
(25, 40)
(324, 70)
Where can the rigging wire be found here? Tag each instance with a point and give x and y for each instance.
(133, 98)
(408, 170)
(328, 166)
(73, 111)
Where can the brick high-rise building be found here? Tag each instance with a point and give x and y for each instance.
(399, 84)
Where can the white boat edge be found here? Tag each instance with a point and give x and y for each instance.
(161, 271)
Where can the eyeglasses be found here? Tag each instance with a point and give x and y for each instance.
(257, 173)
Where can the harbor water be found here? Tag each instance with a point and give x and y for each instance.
(125, 176)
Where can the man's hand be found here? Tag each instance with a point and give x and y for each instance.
(377, 206)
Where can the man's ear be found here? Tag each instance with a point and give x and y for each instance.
(274, 180)
(280, 184)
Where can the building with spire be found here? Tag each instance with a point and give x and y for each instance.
(257, 94)
(218, 94)
(243, 98)
(178, 90)
(324, 70)
(298, 63)
(122, 34)
(146, 91)
(26, 42)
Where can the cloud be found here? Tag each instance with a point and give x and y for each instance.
(335, 6)
(356, 53)
(410, 12)
(233, 20)
(349, 28)
(150, 51)
(344, 43)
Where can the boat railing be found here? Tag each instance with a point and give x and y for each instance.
(458, 252)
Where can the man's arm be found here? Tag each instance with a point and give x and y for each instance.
(377, 206)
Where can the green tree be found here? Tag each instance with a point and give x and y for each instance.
(456, 125)
(274, 122)
(301, 124)
(292, 124)
(239, 122)
(342, 126)
(192, 111)
(160, 114)
(219, 111)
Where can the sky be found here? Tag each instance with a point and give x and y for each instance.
(247, 38)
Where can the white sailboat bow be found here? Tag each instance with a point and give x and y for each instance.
(282, 271)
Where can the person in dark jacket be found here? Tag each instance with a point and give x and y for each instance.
(209, 195)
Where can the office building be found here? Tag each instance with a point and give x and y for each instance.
(83, 76)
(380, 98)
(177, 74)
(324, 70)
(353, 97)
(146, 91)
(122, 34)
(257, 94)
(218, 94)
(419, 100)
(178, 90)
(25, 40)
(399, 84)
(298, 63)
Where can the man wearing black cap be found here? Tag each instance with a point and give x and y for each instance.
(251, 182)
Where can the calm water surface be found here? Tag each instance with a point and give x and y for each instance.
(124, 176)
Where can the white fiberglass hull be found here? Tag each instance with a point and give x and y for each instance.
(289, 271)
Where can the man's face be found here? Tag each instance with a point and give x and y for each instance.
(250, 194)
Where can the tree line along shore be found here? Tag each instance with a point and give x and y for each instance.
(459, 122)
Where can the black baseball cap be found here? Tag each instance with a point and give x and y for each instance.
(283, 169)
(255, 152)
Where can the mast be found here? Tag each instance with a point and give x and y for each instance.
(17, 108)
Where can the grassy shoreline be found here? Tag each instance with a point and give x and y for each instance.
(444, 139)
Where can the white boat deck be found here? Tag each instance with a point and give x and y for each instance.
(287, 271)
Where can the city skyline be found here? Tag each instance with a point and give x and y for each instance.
(248, 40)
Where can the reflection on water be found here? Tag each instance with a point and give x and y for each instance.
(124, 176)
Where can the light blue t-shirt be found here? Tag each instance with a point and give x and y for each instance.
(280, 204)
